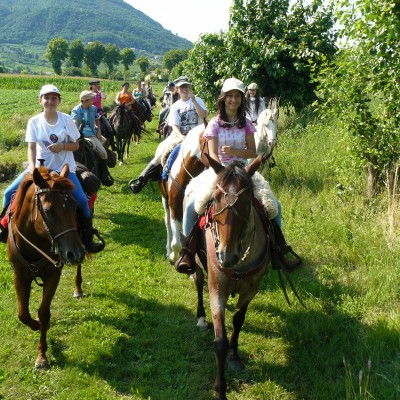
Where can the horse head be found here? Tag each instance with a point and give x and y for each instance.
(267, 126)
(44, 218)
(232, 207)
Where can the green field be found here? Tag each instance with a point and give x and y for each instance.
(133, 335)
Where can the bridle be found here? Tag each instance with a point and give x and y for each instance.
(213, 241)
(67, 202)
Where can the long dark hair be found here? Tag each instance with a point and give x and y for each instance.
(241, 113)
(257, 96)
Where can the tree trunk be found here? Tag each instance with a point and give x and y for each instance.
(372, 182)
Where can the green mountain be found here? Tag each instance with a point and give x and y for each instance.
(32, 23)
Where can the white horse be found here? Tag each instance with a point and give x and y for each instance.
(267, 127)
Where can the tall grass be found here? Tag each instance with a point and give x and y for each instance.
(133, 335)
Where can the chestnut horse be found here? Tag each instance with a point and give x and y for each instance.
(42, 238)
(238, 253)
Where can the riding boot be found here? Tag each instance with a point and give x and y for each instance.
(151, 172)
(87, 236)
(3, 229)
(104, 173)
(186, 263)
(282, 249)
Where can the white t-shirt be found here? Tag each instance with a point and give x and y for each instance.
(184, 114)
(39, 131)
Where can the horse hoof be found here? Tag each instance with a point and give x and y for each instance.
(235, 365)
(120, 163)
(202, 324)
(78, 295)
(42, 364)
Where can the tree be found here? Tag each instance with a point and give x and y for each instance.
(93, 56)
(362, 86)
(127, 59)
(143, 63)
(56, 53)
(173, 57)
(76, 53)
(205, 66)
(111, 58)
(274, 45)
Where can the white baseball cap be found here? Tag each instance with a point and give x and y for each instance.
(46, 89)
(232, 84)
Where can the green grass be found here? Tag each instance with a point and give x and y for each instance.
(133, 335)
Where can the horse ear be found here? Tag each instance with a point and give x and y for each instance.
(215, 165)
(39, 180)
(65, 171)
(253, 167)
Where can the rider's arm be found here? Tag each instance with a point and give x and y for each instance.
(32, 155)
(213, 148)
(201, 112)
(177, 132)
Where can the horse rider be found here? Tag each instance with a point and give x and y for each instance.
(230, 137)
(85, 115)
(255, 103)
(94, 86)
(52, 136)
(139, 93)
(185, 114)
(170, 96)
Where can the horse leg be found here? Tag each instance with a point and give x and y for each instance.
(201, 312)
(234, 361)
(128, 142)
(176, 243)
(167, 220)
(221, 344)
(23, 289)
(49, 289)
(78, 293)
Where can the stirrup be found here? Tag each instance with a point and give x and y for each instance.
(184, 267)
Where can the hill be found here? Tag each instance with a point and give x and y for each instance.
(109, 21)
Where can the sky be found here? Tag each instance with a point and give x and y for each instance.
(187, 18)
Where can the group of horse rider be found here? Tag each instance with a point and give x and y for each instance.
(230, 137)
(53, 136)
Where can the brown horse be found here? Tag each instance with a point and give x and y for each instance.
(238, 253)
(124, 128)
(42, 238)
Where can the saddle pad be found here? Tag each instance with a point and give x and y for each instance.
(170, 161)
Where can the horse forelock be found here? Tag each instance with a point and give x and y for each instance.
(234, 173)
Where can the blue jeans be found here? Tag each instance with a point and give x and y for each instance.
(78, 193)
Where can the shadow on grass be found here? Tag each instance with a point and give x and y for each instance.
(160, 353)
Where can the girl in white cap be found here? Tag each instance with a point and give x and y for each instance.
(52, 136)
(255, 103)
(230, 137)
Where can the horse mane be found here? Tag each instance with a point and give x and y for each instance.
(55, 181)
